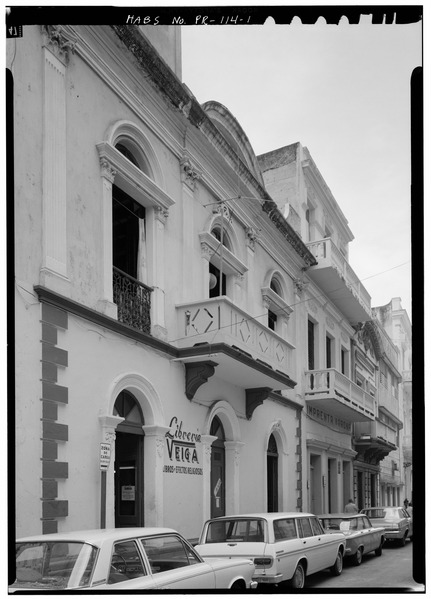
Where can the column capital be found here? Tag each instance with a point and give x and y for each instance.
(58, 42)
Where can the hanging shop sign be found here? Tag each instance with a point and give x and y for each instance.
(182, 449)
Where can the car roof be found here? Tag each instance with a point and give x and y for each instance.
(96, 536)
(343, 515)
(270, 516)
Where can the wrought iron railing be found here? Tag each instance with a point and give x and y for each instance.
(133, 300)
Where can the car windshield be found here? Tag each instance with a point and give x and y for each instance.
(237, 530)
(342, 524)
(53, 565)
(388, 513)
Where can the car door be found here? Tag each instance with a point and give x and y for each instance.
(325, 545)
(372, 536)
(288, 547)
(175, 565)
(315, 550)
(410, 521)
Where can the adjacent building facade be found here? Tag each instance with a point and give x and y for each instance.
(186, 316)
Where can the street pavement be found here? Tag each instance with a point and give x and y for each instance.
(391, 572)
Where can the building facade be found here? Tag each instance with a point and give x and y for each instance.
(397, 326)
(186, 316)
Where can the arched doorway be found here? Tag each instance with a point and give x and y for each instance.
(272, 474)
(129, 462)
(218, 469)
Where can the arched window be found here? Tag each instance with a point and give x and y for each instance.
(272, 474)
(218, 467)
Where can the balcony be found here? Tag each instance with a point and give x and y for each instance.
(244, 351)
(335, 393)
(133, 300)
(338, 280)
(374, 440)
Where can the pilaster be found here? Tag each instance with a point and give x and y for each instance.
(154, 448)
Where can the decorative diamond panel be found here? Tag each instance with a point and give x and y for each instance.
(202, 321)
(263, 341)
(244, 331)
(280, 352)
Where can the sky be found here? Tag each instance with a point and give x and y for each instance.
(344, 93)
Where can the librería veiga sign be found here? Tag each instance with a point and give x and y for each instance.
(181, 449)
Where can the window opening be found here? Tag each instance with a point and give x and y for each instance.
(310, 345)
(272, 474)
(214, 290)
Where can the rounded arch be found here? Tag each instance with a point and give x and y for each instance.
(144, 393)
(134, 139)
(277, 431)
(276, 281)
(226, 414)
(231, 240)
(234, 134)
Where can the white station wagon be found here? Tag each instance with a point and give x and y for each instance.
(284, 546)
(122, 560)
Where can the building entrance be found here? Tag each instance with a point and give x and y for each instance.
(272, 474)
(129, 463)
(218, 496)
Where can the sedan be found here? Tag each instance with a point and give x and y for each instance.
(396, 521)
(285, 547)
(122, 559)
(361, 536)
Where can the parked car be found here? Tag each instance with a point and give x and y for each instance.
(284, 546)
(122, 559)
(361, 536)
(396, 521)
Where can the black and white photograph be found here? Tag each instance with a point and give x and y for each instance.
(214, 256)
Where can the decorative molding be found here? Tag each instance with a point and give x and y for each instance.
(132, 179)
(60, 43)
(300, 285)
(251, 237)
(106, 169)
(197, 374)
(161, 214)
(189, 173)
(254, 398)
(210, 248)
(330, 323)
(275, 303)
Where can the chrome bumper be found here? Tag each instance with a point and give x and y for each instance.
(271, 579)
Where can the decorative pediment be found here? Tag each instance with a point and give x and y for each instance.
(211, 250)
(275, 303)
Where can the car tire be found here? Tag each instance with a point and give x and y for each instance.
(402, 541)
(357, 558)
(379, 549)
(238, 585)
(337, 568)
(298, 579)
